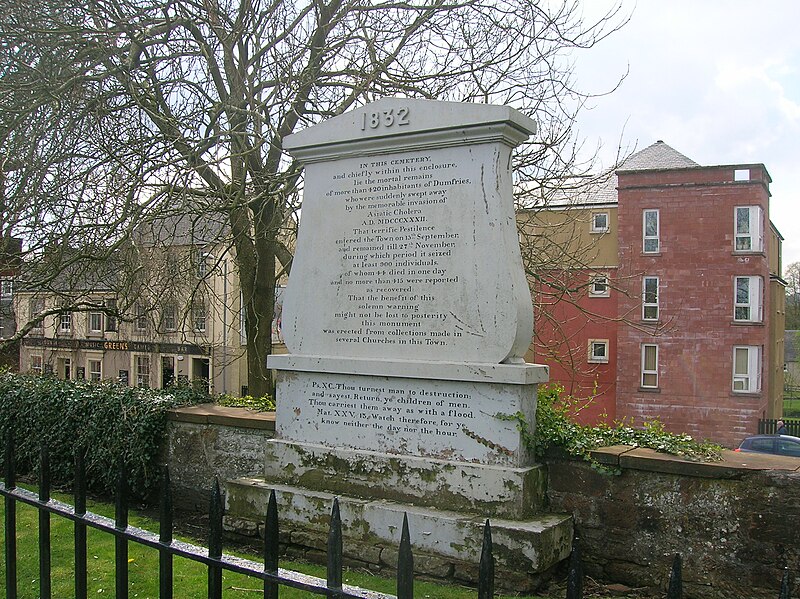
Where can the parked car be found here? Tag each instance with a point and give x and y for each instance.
(777, 444)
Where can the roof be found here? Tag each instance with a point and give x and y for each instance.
(185, 228)
(602, 189)
(657, 156)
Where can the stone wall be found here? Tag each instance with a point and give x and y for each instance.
(734, 523)
(207, 442)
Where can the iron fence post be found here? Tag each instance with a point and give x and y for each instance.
(79, 529)
(120, 542)
(165, 526)
(44, 524)
(10, 519)
(215, 514)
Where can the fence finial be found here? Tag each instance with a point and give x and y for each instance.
(675, 587)
(271, 547)
(335, 548)
(486, 565)
(786, 591)
(405, 564)
(575, 573)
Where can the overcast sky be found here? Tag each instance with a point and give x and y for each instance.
(718, 80)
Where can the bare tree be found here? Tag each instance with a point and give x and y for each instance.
(135, 108)
(792, 274)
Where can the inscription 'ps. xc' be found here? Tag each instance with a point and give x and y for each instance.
(385, 118)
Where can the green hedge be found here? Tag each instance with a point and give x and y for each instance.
(108, 421)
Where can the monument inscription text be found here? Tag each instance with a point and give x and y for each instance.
(396, 253)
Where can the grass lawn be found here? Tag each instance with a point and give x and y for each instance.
(190, 577)
(791, 407)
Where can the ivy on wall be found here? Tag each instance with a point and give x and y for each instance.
(555, 428)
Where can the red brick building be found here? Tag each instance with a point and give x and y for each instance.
(681, 314)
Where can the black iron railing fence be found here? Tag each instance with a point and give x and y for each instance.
(213, 557)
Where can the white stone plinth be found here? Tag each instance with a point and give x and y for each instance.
(398, 407)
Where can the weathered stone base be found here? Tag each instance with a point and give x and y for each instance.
(446, 544)
(504, 492)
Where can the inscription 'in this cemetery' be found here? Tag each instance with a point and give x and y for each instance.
(396, 254)
(392, 410)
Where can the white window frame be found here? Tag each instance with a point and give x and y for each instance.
(749, 380)
(142, 378)
(110, 319)
(650, 309)
(37, 364)
(646, 237)
(169, 316)
(600, 286)
(741, 174)
(140, 321)
(202, 263)
(600, 228)
(595, 344)
(751, 240)
(36, 307)
(95, 323)
(65, 322)
(91, 361)
(199, 317)
(652, 372)
(750, 308)
(6, 289)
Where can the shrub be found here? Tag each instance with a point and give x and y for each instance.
(259, 404)
(108, 421)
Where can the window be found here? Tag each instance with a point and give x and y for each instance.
(598, 351)
(650, 230)
(199, 317)
(599, 286)
(36, 364)
(65, 322)
(747, 369)
(169, 317)
(788, 447)
(6, 289)
(36, 307)
(741, 174)
(650, 366)
(95, 322)
(748, 231)
(172, 265)
(142, 371)
(747, 299)
(111, 320)
(141, 318)
(599, 222)
(95, 370)
(202, 261)
(650, 298)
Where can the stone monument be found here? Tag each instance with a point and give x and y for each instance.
(407, 316)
